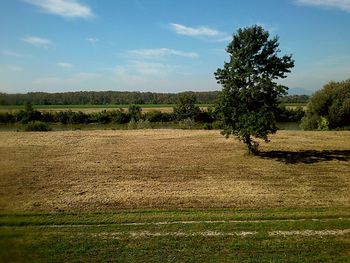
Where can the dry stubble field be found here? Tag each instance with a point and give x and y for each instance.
(171, 169)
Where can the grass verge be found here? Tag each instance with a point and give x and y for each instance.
(293, 235)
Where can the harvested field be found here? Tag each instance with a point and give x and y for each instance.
(171, 169)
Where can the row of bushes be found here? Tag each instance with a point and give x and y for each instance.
(121, 117)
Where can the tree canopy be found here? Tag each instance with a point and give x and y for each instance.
(329, 108)
(249, 98)
(185, 107)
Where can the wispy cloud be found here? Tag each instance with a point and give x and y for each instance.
(93, 41)
(141, 71)
(75, 79)
(141, 75)
(200, 31)
(160, 52)
(64, 65)
(340, 4)
(38, 41)
(143, 68)
(14, 68)
(63, 8)
(12, 53)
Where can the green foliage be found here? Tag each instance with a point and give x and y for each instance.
(28, 107)
(134, 112)
(100, 98)
(332, 103)
(38, 126)
(289, 115)
(300, 99)
(141, 124)
(186, 106)
(187, 123)
(323, 124)
(249, 99)
(132, 124)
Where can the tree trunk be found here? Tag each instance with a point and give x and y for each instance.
(252, 147)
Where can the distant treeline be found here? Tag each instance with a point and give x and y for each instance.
(116, 97)
(100, 98)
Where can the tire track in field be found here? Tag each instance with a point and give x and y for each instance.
(149, 234)
(176, 222)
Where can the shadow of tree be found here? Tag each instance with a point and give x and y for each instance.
(308, 157)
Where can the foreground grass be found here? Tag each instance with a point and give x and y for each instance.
(315, 235)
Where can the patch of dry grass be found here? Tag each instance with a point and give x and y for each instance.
(170, 169)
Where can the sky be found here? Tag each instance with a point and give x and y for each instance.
(162, 45)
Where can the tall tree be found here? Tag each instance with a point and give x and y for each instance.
(249, 97)
(329, 107)
(186, 107)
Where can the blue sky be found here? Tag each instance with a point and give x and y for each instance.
(161, 45)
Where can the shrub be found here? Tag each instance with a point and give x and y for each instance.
(323, 124)
(132, 124)
(208, 126)
(186, 106)
(154, 116)
(141, 124)
(62, 117)
(290, 115)
(78, 117)
(7, 117)
(332, 103)
(120, 117)
(218, 125)
(134, 112)
(38, 126)
(48, 117)
(187, 123)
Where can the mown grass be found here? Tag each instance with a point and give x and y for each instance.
(97, 237)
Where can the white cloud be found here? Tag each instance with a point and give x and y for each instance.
(340, 4)
(194, 31)
(93, 41)
(75, 79)
(201, 31)
(160, 52)
(142, 68)
(141, 75)
(64, 65)
(64, 8)
(11, 53)
(38, 41)
(14, 68)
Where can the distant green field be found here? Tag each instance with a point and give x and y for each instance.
(113, 106)
(276, 235)
(296, 104)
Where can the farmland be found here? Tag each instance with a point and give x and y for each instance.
(98, 108)
(158, 194)
(93, 108)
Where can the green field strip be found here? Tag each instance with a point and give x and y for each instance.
(171, 216)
